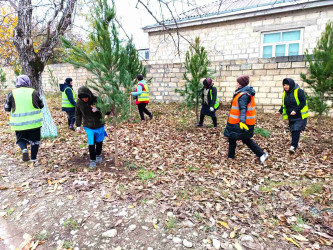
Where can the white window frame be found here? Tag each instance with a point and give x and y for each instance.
(300, 41)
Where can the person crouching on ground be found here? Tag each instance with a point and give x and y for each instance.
(294, 109)
(24, 105)
(240, 125)
(142, 97)
(93, 123)
(68, 101)
(210, 102)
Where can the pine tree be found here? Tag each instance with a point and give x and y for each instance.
(196, 64)
(131, 67)
(320, 78)
(105, 64)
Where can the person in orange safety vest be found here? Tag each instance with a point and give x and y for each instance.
(242, 118)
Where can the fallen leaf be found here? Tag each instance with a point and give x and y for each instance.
(131, 206)
(222, 223)
(108, 196)
(70, 197)
(155, 226)
(300, 238)
(232, 234)
(3, 188)
(292, 241)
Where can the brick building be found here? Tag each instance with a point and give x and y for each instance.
(265, 39)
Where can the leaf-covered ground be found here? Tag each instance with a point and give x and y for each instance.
(175, 188)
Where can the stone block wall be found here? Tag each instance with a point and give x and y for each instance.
(266, 77)
(60, 72)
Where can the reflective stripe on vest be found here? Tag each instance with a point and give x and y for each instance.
(234, 116)
(26, 116)
(217, 103)
(65, 103)
(144, 97)
(304, 111)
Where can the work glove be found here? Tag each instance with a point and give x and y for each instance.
(243, 126)
(78, 129)
(293, 113)
(94, 109)
(211, 109)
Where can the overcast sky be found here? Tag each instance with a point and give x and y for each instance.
(133, 17)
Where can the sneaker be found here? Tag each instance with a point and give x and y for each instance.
(99, 158)
(151, 116)
(92, 164)
(263, 158)
(71, 127)
(292, 150)
(198, 125)
(25, 155)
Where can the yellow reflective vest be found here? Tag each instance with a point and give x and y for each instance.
(65, 103)
(26, 116)
(144, 97)
(304, 111)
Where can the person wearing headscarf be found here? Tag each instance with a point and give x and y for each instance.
(210, 102)
(93, 123)
(242, 117)
(68, 101)
(24, 105)
(294, 109)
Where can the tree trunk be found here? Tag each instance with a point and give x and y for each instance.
(116, 160)
(130, 101)
(319, 120)
(34, 71)
(197, 107)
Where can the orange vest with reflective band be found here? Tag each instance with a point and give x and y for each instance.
(234, 117)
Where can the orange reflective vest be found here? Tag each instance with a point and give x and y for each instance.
(234, 117)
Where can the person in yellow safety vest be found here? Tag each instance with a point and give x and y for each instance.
(210, 102)
(242, 117)
(141, 95)
(24, 105)
(68, 102)
(294, 109)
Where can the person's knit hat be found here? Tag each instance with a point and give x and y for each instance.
(243, 80)
(208, 82)
(68, 80)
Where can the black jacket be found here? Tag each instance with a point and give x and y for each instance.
(10, 102)
(211, 102)
(83, 110)
(233, 131)
(69, 94)
(290, 101)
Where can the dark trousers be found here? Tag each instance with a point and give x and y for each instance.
(295, 135)
(202, 117)
(142, 110)
(70, 117)
(248, 142)
(34, 148)
(30, 136)
(95, 149)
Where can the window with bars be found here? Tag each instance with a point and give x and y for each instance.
(282, 43)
